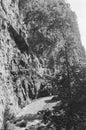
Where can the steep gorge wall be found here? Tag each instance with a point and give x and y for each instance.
(8, 50)
(7, 96)
(29, 48)
(15, 72)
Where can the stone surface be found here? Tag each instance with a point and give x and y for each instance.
(28, 60)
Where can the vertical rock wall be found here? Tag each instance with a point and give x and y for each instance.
(12, 94)
(7, 51)
(30, 42)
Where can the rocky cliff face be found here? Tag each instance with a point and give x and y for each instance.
(31, 37)
(7, 52)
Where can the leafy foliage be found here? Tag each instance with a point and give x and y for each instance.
(56, 57)
(54, 38)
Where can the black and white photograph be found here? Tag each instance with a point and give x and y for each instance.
(42, 64)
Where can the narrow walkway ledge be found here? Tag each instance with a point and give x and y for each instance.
(30, 111)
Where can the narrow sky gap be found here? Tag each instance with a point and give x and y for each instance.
(79, 6)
